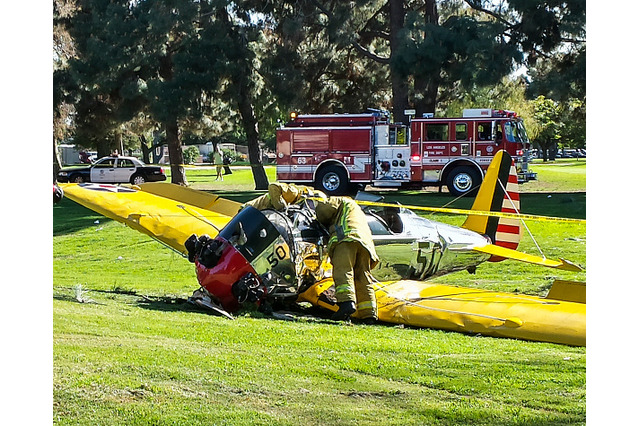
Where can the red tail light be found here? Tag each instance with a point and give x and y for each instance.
(520, 152)
(415, 158)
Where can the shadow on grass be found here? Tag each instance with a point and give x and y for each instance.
(70, 217)
(155, 303)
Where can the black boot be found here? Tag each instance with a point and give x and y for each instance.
(345, 309)
(366, 321)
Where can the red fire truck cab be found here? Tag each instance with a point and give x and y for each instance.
(338, 152)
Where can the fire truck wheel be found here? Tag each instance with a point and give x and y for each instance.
(332, 180)
(463, 180)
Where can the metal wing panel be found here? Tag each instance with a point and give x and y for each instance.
(506, 253)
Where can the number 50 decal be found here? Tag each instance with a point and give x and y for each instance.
(280, 252)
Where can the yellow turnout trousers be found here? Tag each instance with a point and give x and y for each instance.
(352, 277)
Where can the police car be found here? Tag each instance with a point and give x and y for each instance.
(113, 170)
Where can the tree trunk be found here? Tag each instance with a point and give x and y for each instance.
(428, 90)
(119, 144)
(399, 86)
(146, 151)
(242, 83)
(176, 158)
(250, 125)
(426, 87)
(104, 148)
(56, 161)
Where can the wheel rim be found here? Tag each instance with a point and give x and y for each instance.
(138, 180)
(331, 181)
(462, 182)
(78, 179)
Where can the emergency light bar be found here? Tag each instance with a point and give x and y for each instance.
(487, 113)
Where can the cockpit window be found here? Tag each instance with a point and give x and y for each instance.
(250, 232)
(265, 239)
(376, 226)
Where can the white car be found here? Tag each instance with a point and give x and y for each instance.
(113, 170)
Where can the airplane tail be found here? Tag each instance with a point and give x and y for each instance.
(498, 193)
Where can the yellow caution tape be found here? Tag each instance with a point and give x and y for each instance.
(476, 212)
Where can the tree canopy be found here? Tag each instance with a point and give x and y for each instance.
(202, 69)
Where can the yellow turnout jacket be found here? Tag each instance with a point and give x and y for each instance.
(346, 222)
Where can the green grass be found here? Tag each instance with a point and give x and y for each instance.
(137, 353)
(566, 175)
(562, 175)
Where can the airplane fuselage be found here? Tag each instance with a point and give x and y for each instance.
(423, 248)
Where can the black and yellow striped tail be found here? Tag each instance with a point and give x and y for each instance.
(498, 193)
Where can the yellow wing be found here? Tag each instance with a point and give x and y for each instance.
(170, 213)
(555, 319)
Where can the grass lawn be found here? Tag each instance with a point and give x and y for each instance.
(562, 175)
(128, 349)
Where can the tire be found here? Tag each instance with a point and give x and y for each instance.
(76, 179)
(137, 179)
(463, 181)
(332, 180)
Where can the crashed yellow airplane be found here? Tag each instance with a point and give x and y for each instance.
(274, 258)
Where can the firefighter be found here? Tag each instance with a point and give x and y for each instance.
(281, 194)
(353, 255)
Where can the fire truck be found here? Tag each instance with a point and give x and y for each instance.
(337, 153)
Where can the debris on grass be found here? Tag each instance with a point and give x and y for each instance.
(81, 294)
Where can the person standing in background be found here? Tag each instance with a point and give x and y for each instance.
(218, 162)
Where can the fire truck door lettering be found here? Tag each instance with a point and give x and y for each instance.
(435, 150)
(302, 160)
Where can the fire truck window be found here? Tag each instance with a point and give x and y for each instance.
(461, 131)
(317, 140)
(397, 136)
(401, 137)
(522, 132)
(510, 131)
(484, 131)
(437, 132)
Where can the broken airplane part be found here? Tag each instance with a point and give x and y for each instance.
(274, 258)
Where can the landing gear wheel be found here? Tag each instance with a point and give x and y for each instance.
(463, 180)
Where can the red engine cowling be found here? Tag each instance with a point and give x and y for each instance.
(219, 279)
